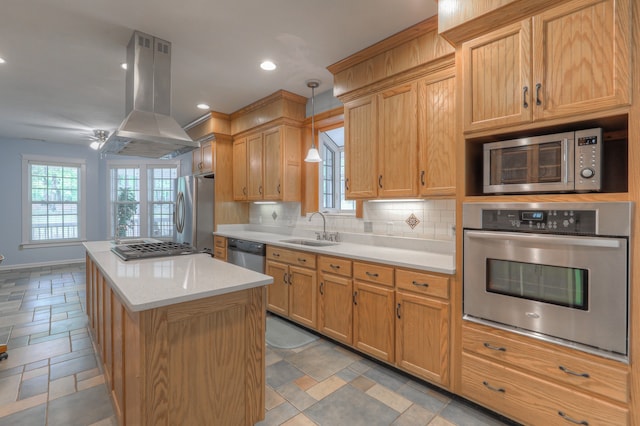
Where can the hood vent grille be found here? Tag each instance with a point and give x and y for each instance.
(148, 129)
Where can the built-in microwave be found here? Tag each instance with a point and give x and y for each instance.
(561, 162)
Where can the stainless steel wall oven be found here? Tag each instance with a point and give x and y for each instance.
(556, 271)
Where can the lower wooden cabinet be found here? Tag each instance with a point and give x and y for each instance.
(531, 400)
(335, 306)
(373, 311)
(192, 363)
(422, 336)
(220, 248)
(293, 293)
(535, 382)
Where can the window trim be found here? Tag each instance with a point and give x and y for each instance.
(28, 159)
(338, 190)
(144, 167)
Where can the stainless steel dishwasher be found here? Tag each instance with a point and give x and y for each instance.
(248, 254)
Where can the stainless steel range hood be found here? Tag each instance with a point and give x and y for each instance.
(149, 130)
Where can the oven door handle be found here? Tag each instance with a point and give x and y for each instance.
(545, 239)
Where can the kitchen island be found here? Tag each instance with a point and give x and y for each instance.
(181, 338)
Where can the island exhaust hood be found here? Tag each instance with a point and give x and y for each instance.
(149, 130)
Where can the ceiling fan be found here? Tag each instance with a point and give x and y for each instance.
(98, 139)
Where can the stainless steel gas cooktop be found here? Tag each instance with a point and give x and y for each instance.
(150, 250)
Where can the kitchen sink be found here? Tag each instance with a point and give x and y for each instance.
(314, 243)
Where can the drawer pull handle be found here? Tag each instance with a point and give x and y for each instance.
(494, 348)
(574, 421)
(416, 283)
(300, 259)
(573, 373)
(372, 274)
(488, 386)
(276, 254)
(334, 266)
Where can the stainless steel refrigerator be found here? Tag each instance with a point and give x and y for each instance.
(194, 211)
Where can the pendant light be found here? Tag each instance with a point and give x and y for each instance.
(313, 156)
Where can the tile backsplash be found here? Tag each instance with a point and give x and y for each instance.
(426, 219)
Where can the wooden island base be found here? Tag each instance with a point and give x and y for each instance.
(191, 363)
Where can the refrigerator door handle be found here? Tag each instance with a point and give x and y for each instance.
(180, 212)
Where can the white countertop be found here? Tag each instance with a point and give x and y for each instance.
(415, 259)
(152, 283)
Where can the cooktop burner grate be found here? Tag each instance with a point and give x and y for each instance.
(150, 250)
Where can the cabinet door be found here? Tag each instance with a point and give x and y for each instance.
(496, 78)
(336, 308)
(581, 57)
(272, 164)
(398, 142)
(196, 161)
(437, 134)
(278, 292)
(254, 162)
(361, 154)
(207, 156)
(422, 337)
(373, 320)
(240, 190)
(303, 296)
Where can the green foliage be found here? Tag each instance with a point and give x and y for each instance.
(126, 210)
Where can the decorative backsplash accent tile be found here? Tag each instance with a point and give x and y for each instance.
(412, 221)
(274, 215)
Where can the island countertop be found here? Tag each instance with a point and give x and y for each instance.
(152, 283)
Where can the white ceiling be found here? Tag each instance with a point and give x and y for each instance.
(62, 76)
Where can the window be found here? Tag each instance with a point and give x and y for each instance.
(332, 197)
(142, 200)
(54, 200)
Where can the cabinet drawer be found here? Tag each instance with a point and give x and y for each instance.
(582, 371)
(292, 257)
(219, 241)
(373, 273)
(220, 253)
(335, 265)
(432, 285)
(531, 400)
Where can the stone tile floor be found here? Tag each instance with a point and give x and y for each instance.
(52, 376)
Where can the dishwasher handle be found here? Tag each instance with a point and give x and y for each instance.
(246, 246)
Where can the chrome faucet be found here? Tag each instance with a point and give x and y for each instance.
(324, 225)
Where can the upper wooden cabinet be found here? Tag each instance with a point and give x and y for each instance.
(267, 165)
(437, 134)
(398, 142)
(567, 61)
(240, 189)
(202, 158)
(361, 148)
(390, 144)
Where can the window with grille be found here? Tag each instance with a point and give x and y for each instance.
(142, 198)
(332, 172)
(54, 200)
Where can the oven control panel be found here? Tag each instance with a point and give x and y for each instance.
(578, 222)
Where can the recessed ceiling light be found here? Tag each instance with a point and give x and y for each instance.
(203, 106)
(123, 65)
(268, 66)
(2, 61)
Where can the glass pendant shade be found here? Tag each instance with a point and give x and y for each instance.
(313, 156)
